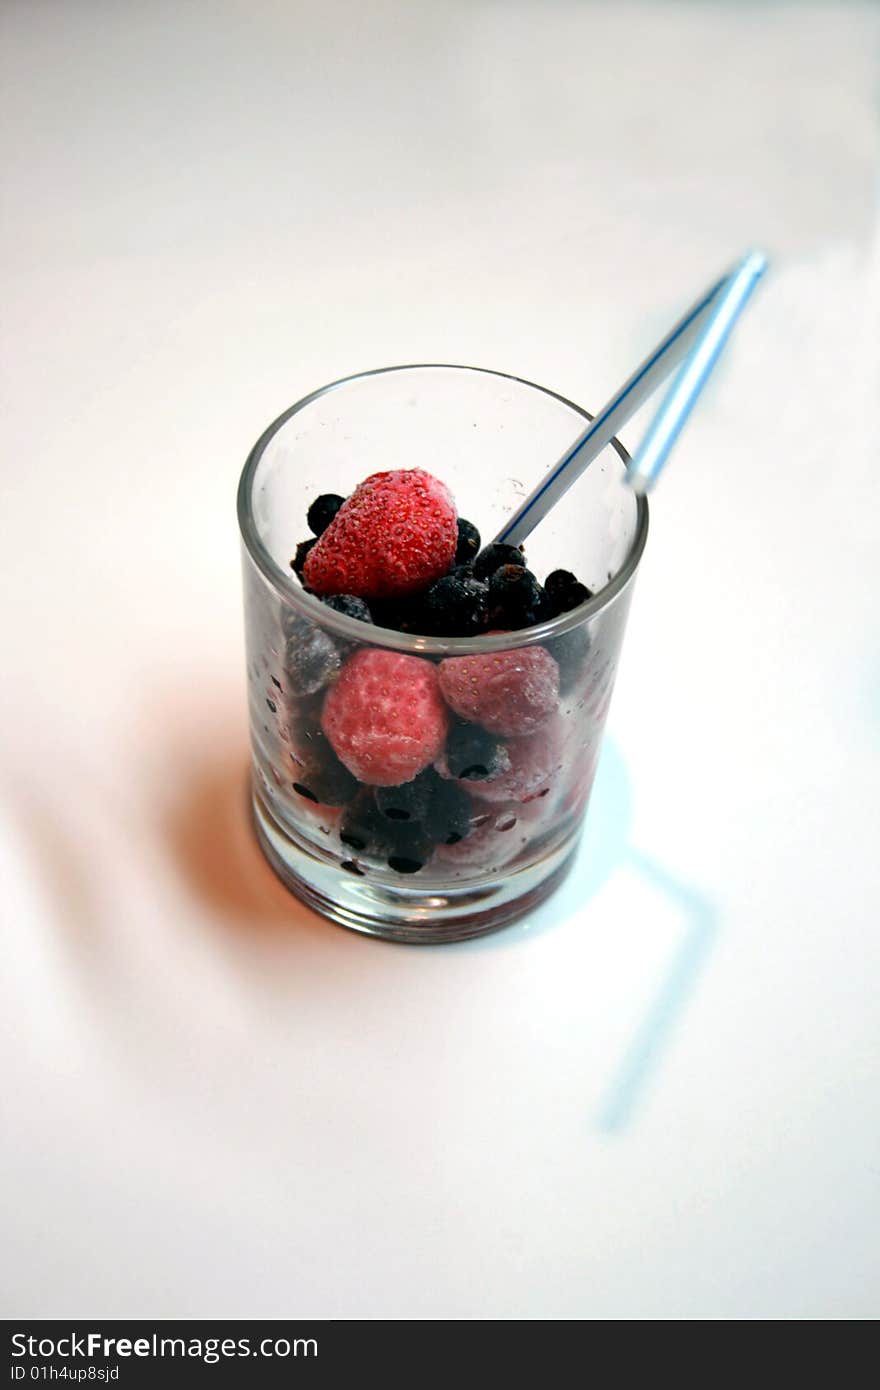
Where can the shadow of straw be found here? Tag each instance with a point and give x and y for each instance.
(644, 1053)
(606, 850)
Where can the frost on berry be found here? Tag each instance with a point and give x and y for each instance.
(385, 716)
(508, 693)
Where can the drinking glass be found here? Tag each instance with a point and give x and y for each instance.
(392, 871)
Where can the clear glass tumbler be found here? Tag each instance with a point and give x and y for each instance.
(494, 839)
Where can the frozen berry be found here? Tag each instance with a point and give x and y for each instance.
(534, 763)
(394, 535)
(486, 848)
(407, 802)
(468, 542)
(404, 847)
(514, 597)
(349, 605)
(511, 692)
(493, 557)
(562, 592)
(311, 657)
(297, 564)
(447, 818)
(400, 614)
(411, 850)
(442, 809)
(322, 511)
(570, 653)
(318, 773)
(361, 828)
(457, 606)
(472, 754)
(385, 716)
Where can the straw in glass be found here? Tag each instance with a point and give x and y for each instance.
(696, 340)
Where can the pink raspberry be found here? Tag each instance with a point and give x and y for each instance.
(395, 535)
(512, 692)
(385, 716)
(536, 762)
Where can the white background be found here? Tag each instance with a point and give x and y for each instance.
(657, 1096)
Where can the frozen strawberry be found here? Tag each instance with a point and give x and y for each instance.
(507, 692)
(395, 535)
(536, 762)
(385, 716)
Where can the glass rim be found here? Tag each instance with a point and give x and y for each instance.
(292, 593)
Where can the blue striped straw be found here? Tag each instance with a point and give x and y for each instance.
(712, 315)
(682, 395)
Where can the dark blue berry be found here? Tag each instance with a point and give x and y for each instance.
(468, 542)
(569, 650)
(457, 606)
(514, 597)
(299, 558)
(408, 802)
(351, 606)
(400, 614)
(562, 592)
(322, 511)
(311, 657)
(402, 845)
(448, 816)
(440, 808)
(320, 776)
(493, 557)
(473, 754)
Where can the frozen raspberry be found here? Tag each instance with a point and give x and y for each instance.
(395, 535)
(385, 716)
(535, 764)
(507, 692)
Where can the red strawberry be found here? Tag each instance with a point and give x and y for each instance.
(395, 535)
(385, 716)
(507, 692)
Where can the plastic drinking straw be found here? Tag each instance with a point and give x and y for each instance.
(713, 315)
(681, 397)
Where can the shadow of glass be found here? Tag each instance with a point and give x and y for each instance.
(209, 830)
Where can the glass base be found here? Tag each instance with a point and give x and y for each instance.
(425, 915)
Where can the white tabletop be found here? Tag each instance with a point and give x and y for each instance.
(656, 1097)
